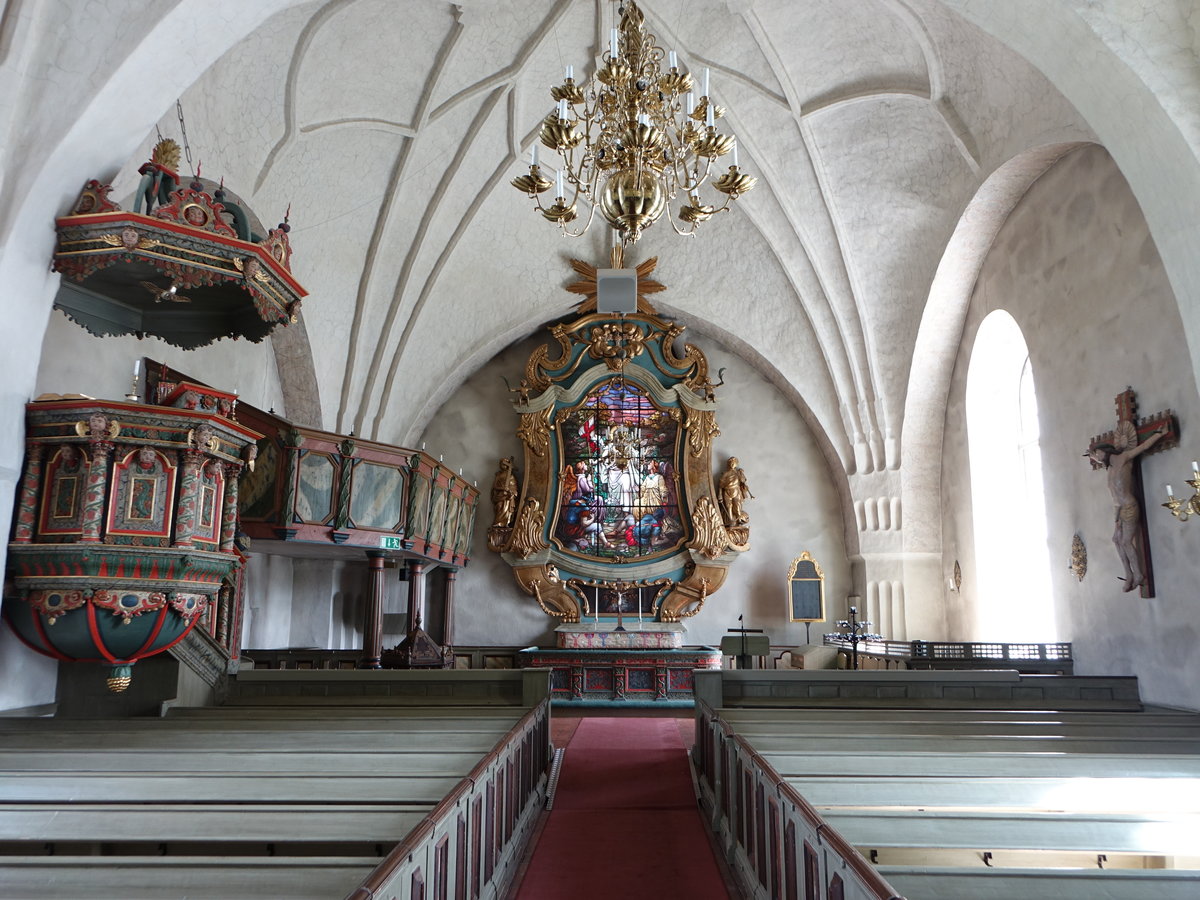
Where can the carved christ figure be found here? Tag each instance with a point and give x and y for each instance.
(504, 494)
(1117, 459)
(734, 491)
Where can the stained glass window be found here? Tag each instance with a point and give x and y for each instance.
(618, 489)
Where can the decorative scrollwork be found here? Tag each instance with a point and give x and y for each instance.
(534, 431)
(615, 343)
(701, 426)
(527, 533)
(711, 536)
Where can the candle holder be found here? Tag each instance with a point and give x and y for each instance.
(853, 632)
(134, 395)
(1186, 508)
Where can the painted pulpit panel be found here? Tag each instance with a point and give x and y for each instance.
(141, 506)
(66, 476)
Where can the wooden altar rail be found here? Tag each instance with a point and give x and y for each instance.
(472, 843)
(389, 687)
(997, 690)
(1033, 659)
(465, 657)
(776, 842)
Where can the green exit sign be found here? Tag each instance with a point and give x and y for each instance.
(390, 542)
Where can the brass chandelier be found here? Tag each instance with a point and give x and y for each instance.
(634, 140)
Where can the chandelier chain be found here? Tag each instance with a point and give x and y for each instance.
(187, 150)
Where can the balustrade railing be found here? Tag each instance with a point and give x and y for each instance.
(470, 844)
(777, 844)
(1028, 658)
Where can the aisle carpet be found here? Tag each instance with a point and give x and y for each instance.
(625, 822)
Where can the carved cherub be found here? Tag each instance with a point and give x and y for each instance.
(708, 389)
(521, 390)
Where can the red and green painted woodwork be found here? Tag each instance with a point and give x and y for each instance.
(125, 527)
(239, 285)
(317, 487)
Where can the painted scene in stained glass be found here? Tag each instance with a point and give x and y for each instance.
(618, 492)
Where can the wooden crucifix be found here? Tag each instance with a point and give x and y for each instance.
(1118, 452)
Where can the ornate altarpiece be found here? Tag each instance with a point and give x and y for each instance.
(618, 512)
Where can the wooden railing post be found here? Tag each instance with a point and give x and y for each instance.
(373, 618)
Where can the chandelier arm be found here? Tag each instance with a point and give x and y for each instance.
(583, 229)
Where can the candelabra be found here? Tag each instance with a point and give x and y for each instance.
(632, 144)
(854, 632)
(1186, 508)
(134, 395)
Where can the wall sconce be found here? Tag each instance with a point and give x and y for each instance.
(1185, 509)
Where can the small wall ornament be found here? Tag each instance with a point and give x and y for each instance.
(1078, 557)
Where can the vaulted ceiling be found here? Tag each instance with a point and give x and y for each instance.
(393, 130)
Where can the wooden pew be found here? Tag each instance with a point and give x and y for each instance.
(352, 780)
(221, 787)
(925, 776)
(1130, 833)
(1041, 884)
(180, 878)
(228, 823)
(1048, 794)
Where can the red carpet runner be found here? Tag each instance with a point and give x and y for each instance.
(625, 823)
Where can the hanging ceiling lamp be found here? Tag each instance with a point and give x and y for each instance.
(633, 140)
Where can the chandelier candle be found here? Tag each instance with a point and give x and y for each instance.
(633, 139)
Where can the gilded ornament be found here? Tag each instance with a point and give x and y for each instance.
(701, 429)
(734, 491)
(1078, 557)
(528, 532)
(166, 154)
(534, 431)
(615, 343)
(711, 537)
(504, 494)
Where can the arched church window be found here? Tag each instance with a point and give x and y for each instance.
(1013, 593)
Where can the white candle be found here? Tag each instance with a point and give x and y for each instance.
(460, 471)
(1170, 493)
(533, 154)
(558, 185)
(422, 445)
(709, 118)
(1195, 467)
(672, 60)
(137, 368)
(570, 73)
(690, 100)
(440, 457)
(735, 158)
(705, 82)
(562, 108)
(612, 43)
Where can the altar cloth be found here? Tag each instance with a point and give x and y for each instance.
(605, 636)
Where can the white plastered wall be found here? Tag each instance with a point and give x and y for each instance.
(796, 505)
(1077, 268)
